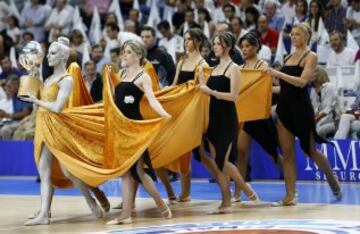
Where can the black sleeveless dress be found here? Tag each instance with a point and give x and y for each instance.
(223, 121)
(185, 76)
(263, 130)
(127, 99)
(295, 109)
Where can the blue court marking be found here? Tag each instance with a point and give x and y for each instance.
(309, 192)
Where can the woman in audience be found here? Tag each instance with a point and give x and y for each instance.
(324, 99)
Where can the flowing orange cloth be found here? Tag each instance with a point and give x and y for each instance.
(97, 142)
(254, 100)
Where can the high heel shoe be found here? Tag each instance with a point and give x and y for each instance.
(118, 221)
(167, 214)
(172, 200)
(292, 202)
(184, 199)
(253, 197)
(220, 210)
(338, 195)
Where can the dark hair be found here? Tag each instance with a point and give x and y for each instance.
(197, 36)
(15, 20)
(29, 34)
(306, 6)
(189, 9)
(253, 40)
(95, 47)
(90, 62)
(76, 33)
(115, 50)
(342, 37)
(227, 40)
(321, 14)
(113, 14)
(163, 24)
(252, 10)
(238, 19)
(148, 28)
(113, 26)
(206, 13)
(229, 5)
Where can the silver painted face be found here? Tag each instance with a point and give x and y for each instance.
(54, 56)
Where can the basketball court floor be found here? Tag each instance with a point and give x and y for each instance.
(317, 211)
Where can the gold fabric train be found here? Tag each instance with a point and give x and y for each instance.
(97, 142)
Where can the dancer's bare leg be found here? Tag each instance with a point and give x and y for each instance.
(243, 148)
(128, 191)
(163, 175)
(101, 197)
(95, 209)
(46, 188)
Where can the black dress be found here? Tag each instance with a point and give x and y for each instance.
(127, 99)
(295, 110)
(263, 130)
(185, 76)
(223, 121)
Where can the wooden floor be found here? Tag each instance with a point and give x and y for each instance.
(71, 215)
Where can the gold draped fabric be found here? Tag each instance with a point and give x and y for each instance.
(254, 100)
(97, 142)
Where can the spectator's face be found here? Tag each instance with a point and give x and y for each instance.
(11, 88)
(27, 38)
(314, 8)
(228, 12)
(130, 57)
(336, 43)
(90, 70)
(202, 17)
(235, 25)
(199, 3)
(112, 34)
(6, 64)
(180, 6)
(205, 51)
(34, 2)
(60, 4)
(165, 32)
(111, 18)
(221, 28)
(129, 28)
(147, 38)
(355, 4)
(262, 24)
(96, 54)
(270, 9)
(188, 43)
(77, 40)
(218, 48)
(189, 17)
(248, 50)
(133, 16)
(114, 57)
(314, 79)
(335, 3)
(250, 18)
(300, 8)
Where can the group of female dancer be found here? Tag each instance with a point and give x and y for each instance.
(226, 139)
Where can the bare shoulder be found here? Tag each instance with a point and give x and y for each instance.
(310, 59)
(145, 78)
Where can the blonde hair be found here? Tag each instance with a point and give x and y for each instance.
(138, 48)
(323, 76)
(305, 28)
